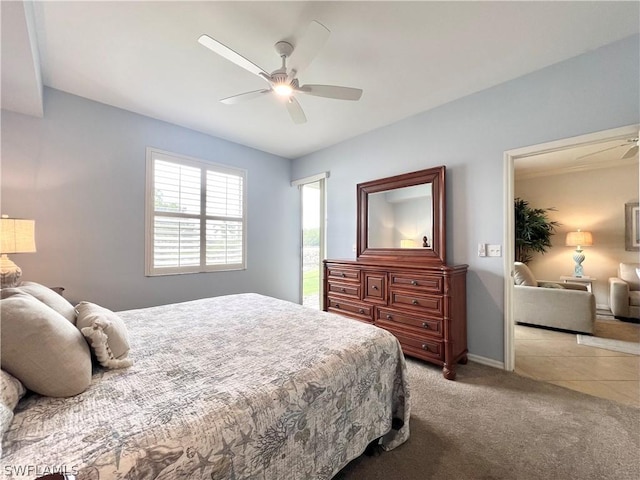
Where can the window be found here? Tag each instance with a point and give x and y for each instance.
(195, 215)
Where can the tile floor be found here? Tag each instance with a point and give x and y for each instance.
(556, 357)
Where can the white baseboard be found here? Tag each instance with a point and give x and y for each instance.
(486, 361)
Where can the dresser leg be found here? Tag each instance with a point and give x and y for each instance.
(449, 373)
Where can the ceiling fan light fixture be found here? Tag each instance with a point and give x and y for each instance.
(283, 89)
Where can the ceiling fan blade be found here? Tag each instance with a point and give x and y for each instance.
(244, 96)
(295, 111)
(331, 91)
(307, 48)
(598, 152)
(232, 56)
(632, 152)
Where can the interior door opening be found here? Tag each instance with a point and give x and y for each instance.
(511, 157)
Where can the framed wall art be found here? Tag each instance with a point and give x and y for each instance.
(631, 231)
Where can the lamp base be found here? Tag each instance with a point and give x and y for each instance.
(578, 257)
(10, 273)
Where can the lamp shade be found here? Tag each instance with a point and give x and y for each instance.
(407, 243)
(17, 235)
(579, 239)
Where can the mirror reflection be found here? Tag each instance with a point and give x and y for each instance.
(401, 218)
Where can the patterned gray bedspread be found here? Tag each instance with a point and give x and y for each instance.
(237, 387)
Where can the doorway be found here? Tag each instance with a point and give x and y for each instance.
(312, 239)
(511, 157)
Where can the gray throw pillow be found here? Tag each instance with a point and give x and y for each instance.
(106, 333)
(42, 349)
(50, 298)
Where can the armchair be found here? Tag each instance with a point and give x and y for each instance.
(552, 304)
(624, 292)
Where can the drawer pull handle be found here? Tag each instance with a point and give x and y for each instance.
(361, 311)
(389, 317)
(337, 305)
(375, 287)
(425, 324)
(414, 282)
(343, 274)
(414, 301)
(344, 290)
(425, 347)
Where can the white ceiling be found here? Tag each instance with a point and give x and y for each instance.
(408, 57)
(607, 153)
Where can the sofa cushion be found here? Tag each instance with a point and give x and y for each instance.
(628, 272)
(634, 298)
(523, 276)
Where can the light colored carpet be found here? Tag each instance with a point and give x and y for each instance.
(609, 344)
(495, 425)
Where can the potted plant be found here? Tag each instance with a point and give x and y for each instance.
(533, 230)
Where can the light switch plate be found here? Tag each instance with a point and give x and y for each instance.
(495, 250)
(482, 249)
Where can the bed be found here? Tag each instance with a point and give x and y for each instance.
(235, 387)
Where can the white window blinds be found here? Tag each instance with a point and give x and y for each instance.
(195, 215)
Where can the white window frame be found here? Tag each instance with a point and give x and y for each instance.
(153, 154)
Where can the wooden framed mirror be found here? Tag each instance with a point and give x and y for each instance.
(402, 218)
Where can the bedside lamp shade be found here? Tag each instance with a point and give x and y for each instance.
(16, 236)
(579, 239)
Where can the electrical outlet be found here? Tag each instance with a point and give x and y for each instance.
(495, 250)
(482, 249)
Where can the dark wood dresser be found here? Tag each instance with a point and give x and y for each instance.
(423, 306)
(400, 280)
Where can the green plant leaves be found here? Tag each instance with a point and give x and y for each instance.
(533, 230)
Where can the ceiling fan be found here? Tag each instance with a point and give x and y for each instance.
(283, 82)
(632, 150)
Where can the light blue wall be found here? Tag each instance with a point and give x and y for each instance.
(80, 173)
(595, 91)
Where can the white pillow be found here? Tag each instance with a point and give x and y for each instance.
(106, 333)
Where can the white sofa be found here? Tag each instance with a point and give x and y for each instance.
(624, 292)
(564, 306)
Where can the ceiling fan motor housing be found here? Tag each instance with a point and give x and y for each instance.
(279, 77)
(283, 48)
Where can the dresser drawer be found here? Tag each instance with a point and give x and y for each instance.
(375, 285)
(344, 274)
(422, 283)
(357, 310)
(432, 304)
(420, 347)
(392, 318)
(346, 289)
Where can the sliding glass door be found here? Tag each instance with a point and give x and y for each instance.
(313, 242)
